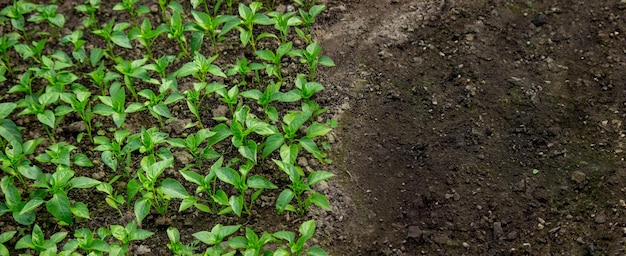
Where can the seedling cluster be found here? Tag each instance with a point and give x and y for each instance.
(107, 95)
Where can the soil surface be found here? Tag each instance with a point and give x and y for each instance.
(465, 128)
(480, 127)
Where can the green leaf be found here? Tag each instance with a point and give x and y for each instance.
(317, 129)
(80, 210)
(192, 177)
(319, 200)
(205, 237)
(173, 189)
(83, 182)
(47, 118)
(25, 242)
(109, 160)
(312, 148)
(236, 203)
(316, 251)
(6, 108)
(260, 182)
(140, 234)
(59, 207)
(121, 39)
(283, 200)
(6, 236)
(249, 151)
(307, 229)
(142, 208)
(228, 175)
(9, 131)
(162, 110)
(82, 160)
(103, 110)
(31, 205)
(95, 56)
(326, 61)
(288, 236)
(220, 197)
(318, 176)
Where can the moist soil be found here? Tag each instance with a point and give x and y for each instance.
(465, 128)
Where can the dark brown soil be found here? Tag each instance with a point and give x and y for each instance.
(466, 128)
(453, 104)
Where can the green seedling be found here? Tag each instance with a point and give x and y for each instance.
(251, 244)
(5, 237)
(78, 53)
(48, 13)
(145, 35)
(241, 182)
(229, 97)
(311, 56)
(129, 5)
(24, 85)
(135, 69)
(89, 7)
(176, 30)
(151, 195)
(193, 144)
(206, 184)
(7, 41)
(200, 67)
(298, 247)
(8, 129)
(307, 89)
(214, 27)
(37, 106)
(86, 241)
(176, 246)
(59, 154)
(306, 4)
(163, 5)
(150, 140)
(214, 239)
(308, 18)
(32, 51)
(36, 241)
(113, 199)
(160, 65)
(300, 185)
(58, 185)
(271, 94)
(242, 68)
(125, 235)
(102, 79)
(283, 22)
(23, 212)
(243, 124)
(80, 103)
(273, 67)
(117, 151)
(195, 97)
(251, 16)
(16, 12)
(115, 105)
(52, 69)
(157, 105)
(292, 123)
(15, 160)
(113, 33)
